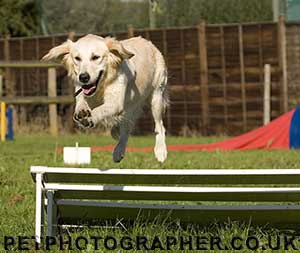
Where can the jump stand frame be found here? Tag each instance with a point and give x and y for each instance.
(75, 195)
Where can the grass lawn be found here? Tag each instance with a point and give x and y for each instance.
(17, 190)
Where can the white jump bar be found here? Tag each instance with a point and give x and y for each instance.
(50, 186)
(101, 171)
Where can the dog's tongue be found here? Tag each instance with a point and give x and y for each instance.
(88, 89)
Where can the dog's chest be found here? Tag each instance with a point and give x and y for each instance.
(95, 101)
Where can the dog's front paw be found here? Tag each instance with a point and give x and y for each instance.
(84, 118)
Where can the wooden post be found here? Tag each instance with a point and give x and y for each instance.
(9, 86)
(19, 112)
(203, 75)
(243, 84)
(71, 35)
(283, 64)
(224, 81)
(38, 70)
(21, 70)
(267, 93)
(147, 34)
(130, 31)
(183, 81)
(69, 123)
(260, 54)
(52, 107)
(10, 81)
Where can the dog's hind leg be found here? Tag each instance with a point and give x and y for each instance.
(158, 106)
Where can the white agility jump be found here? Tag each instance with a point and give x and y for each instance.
(74, 196)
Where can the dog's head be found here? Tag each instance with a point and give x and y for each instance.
(90, 61)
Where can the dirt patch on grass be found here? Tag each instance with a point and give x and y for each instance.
(14, 199)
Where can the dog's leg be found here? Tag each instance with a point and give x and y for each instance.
(119, 151)
(82, 112)
(88, 118)
(123, 129)
(158, 105)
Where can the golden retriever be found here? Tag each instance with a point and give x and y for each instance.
(113, 81)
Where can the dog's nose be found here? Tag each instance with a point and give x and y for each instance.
(84, 77)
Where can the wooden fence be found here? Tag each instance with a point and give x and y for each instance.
(215, 73)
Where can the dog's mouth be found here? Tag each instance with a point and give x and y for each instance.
(90, 89)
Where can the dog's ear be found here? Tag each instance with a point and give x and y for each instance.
(57, 54)
(61, 54)
(118, 51)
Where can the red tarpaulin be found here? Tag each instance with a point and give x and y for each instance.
(275, 135)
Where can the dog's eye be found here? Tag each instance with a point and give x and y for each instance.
(77, 58)
(95, 57)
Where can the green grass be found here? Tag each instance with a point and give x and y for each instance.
(17, 203)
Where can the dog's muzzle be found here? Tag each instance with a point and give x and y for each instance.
(89, 89)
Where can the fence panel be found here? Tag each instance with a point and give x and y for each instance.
(215, 73)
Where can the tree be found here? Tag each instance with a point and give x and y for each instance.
(189, 12)
(93, 16)
(21, 17)
(18, 17)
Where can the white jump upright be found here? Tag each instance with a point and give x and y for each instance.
(76, 195)
(38, 206)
